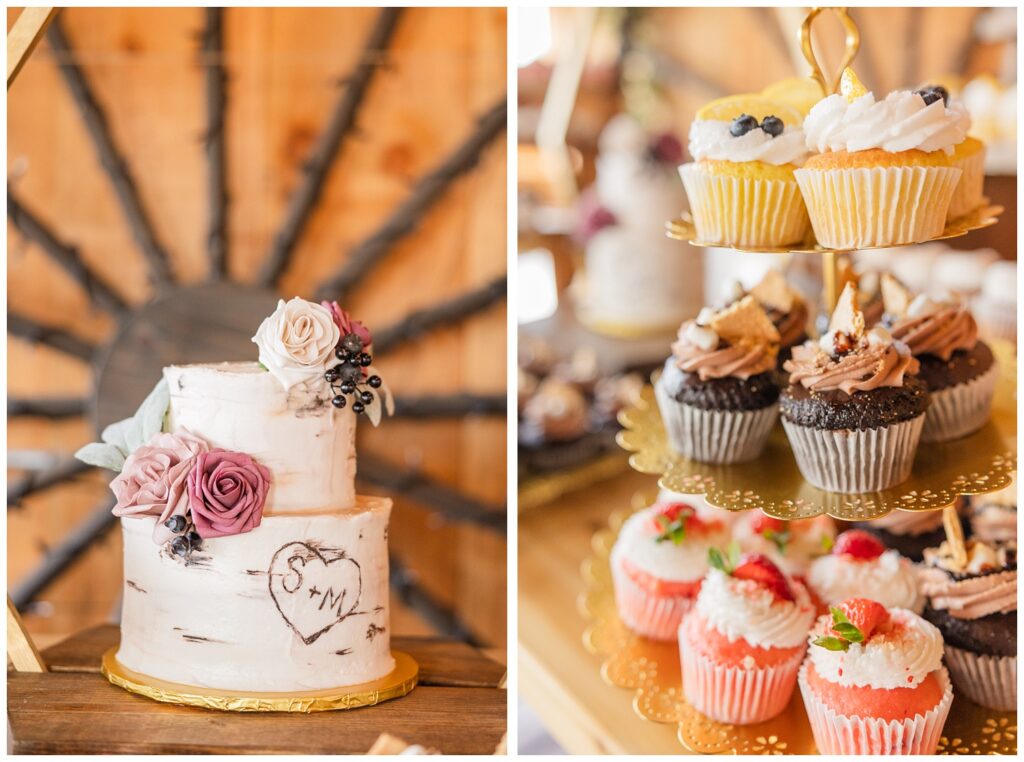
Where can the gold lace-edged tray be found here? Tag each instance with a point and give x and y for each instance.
(399, 682)
(986, 215)
(979, 463)
(651, 670)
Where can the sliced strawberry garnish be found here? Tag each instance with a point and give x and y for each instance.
(761, 523)
(758, 568)
(864, 614)
(858, 544)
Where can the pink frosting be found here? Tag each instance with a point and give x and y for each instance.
(152, 481)
(226, 492)
(347, 324)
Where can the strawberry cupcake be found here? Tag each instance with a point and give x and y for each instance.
(791, 545)
(704, 509)
(657, 564)
(742, 645)
(873, 682)
(859, 564)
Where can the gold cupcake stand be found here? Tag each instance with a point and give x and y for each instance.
(980, 463)
(400, 681)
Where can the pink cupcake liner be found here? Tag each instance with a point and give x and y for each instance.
(654, 616)
(736, 695)
(987, 680)
(715, 436)
(836, 733)
(960, 410)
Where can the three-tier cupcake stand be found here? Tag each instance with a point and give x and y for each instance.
(942, 473)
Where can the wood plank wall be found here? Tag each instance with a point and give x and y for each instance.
(285, 68)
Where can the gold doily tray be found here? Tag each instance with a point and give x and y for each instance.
(399, 682)
(984, 216)
(651, 670)
(979, 463)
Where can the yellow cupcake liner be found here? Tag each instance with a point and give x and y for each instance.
(968, 195)
(748, 212)
(881, 206)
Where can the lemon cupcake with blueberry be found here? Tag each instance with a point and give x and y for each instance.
(740, 184)
(882, 173)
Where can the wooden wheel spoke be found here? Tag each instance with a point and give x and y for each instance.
(448, 405)
(427, 192)
(60, 340)
(56, 407)
(441, 618)
(419, 488)
(64, 255)
(216, 152)
(35, 481)
(448, 312)
(110, 157)
(341, 124)
(61, 556)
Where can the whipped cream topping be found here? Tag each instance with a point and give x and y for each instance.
(870, 366)
(637, 543)
(740, 608)
(901, 122)
(971, 598)
(805, 543)
(938, 329)
(889, 579)
(900, 658)
(711, 139)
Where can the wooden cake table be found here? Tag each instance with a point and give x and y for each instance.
(457, 707)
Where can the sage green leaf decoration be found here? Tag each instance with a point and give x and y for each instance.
(123, 438)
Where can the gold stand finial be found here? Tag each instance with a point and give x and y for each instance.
(852, 46)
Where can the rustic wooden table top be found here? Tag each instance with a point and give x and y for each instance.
(457, 708)
(557, 676)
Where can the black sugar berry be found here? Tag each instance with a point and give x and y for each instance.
(176, 524)
(365, 360)
(341, 353)
(338, 402)
(180, 546)
(366, 397)
(347, 387)
(357, 407)
(375, 381)
(352, 343)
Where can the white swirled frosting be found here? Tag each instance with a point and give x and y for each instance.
(899, 123)
(889, 579)
(741, 609)
(710, 139)
(637, 544)
(900, 659)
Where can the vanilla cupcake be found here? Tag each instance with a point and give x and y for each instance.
(883, 172)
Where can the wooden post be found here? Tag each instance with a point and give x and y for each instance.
(20, 648)
(24, 36)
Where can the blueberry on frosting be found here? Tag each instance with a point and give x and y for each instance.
(743, 124)
(932, 93)
(772, 125)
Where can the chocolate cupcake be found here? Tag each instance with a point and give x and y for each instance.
(853, 410)
(958, 369)
(973, 602)
(786, 309)
(907, 532)
(718, 391)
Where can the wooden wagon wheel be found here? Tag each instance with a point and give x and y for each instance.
(214, 320)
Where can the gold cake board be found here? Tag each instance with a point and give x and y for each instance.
(400, 681)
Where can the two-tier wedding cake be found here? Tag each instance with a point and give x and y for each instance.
(250, 562)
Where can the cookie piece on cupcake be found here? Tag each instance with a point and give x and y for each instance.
(873, 681)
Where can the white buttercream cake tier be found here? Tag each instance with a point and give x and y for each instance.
(299, 603)
(306, 443)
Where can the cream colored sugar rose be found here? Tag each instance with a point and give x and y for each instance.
(297, 342)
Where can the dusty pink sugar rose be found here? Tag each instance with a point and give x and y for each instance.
(153, 479)
(347, 324)
(226, 492)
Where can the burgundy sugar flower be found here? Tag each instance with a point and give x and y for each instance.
(226, 492)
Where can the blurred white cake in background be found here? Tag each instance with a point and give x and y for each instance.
(993, 109)
(635, 280)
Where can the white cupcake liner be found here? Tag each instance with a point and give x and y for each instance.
(736, 695)
(715, 436)
(653, 616)
(858, 208)
(836, 733)
(960, 410)
(744, 211)
(967, 196)
(855, 461)
(987, 680)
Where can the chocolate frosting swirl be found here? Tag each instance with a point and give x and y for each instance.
(792, 325)
(939, 333)
(741, 360)
(868, 367)
(970, 598)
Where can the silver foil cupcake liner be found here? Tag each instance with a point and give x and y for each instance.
(960, 410)
(855, 461)
(987, 680)
(715, 436)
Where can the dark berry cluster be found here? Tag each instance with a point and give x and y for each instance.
(932, 93)
(187, 539)
(744, 123)
(347, 378)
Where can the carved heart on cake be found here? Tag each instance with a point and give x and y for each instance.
(313, 591)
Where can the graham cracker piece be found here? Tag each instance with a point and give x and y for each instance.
(774, 292)
(847, 317)
(895, 296)
(744, 320)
